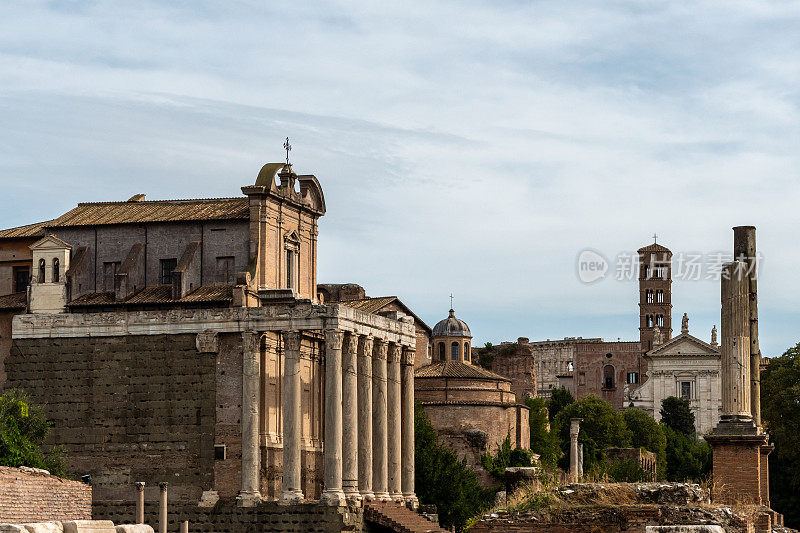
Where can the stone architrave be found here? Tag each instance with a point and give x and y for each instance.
(350, 419)
(291, 490)
(407, 376)
(249, 494)
(394, 425)
(365, 417)
(380, 472)
(332, 493)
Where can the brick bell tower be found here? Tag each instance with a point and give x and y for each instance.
(655, 294)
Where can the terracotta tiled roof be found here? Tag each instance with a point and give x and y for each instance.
(89, 214)
(21, 232)
(456, 369)
(653, 248)
(10, 302)
(156, 294)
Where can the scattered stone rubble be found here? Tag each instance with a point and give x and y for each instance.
(76, 526)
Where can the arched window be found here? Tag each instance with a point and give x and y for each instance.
(56, 272)
(41, 270)
(454, 351)
(660, 321)
(608, 377)
(441, 352)
(649, 296)
(649, 321)
(466, 352)
(660, 296)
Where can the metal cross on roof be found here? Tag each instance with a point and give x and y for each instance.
(451, 300)
(288, 148)
(655, 238)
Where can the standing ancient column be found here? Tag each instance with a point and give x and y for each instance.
(332, 493)
(350, 419)
(574, 430)
(249, 495)
(365, 417)
(744, 249)
(139, 502)
(162, 507)
(407, 376)
(380, 466)
(735, 346)
(291, 493)
(393, 416)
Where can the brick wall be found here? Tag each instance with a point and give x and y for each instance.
(33, 496)
(737, 473)
(126, 409)
(226, 517)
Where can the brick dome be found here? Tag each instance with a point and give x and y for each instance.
(451, 327)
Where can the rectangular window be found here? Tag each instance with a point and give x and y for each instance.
(168, 266)
(22, 278)
(109, 273)
(225, 270)
(686, 390)
(290, 269)
(649, 295)
(660, 296)
(581, 378)
(633, 378)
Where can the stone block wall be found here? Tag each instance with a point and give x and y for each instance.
(28, 495)
(126, 409)
(226, 517)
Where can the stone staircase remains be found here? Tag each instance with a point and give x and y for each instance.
(398, 518)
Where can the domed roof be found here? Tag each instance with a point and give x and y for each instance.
(451, 327)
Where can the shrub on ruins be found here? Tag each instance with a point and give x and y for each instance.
(648, 434)
(677, 414)
(559, 399)
(505, 456)
(543, 441)
(23, 429)
(780, 413)
(688, 457)
(444, 480)
(624, 471)
(602, 427)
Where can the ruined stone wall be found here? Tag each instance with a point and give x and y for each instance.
(553, 358)
(228, 518)
(591, 360)
(520, 368)
(126, 409)
(29, 495)
(5, 342)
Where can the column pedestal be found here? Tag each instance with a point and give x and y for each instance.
(737, 460)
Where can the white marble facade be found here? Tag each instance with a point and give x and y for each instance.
(684, 366)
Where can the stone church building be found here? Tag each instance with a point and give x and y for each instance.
(183, 341)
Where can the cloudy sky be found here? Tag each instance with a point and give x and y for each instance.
(468, 147)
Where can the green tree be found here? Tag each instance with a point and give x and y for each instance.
(688, 458)
(676, 413)
(441, 479)
(543, 441)
(602, 427)
(648, 434)
(559, 399)
(23, 429)
(780, 411)
(505, 457)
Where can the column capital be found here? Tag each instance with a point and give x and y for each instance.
(250, 340)
(334, 339)
(350, 343)
(291, 340)
(380, 349)
(409, 354)
(394, 352)
(365, 343)
(139, 486)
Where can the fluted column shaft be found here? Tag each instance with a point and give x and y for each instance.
(574, 431)
(407, 376)
(394, 427)
(251, 451)
(735, 346)
(380, 471)
(350, 419)
(332, 493)
(365, 417)
(292, 491)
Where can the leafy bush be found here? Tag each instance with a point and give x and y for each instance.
(676, 413)
(543, 441)
(505, 457)
(688, 457)
(444, 480)
(23, 429)
(624, 471)
(648, 434)
(559, 399)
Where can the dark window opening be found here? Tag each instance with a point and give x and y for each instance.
(454, 351)
(22, 278)
(56, 270)
(466, 352)
(290, 269)
(168, 266)
(41, 270)
(608, 377)
(441, 351)
(686, 390)
(225, 270)
(220, 452)
(633, 378)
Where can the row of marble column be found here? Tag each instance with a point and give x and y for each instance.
(369, 421)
